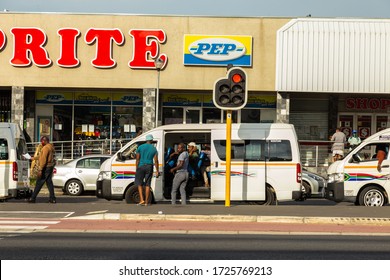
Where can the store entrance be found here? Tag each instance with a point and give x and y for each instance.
(364, 124)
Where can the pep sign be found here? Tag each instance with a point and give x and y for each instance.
(217, 50)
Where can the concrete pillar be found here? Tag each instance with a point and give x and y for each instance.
(332, 114)
(17, 105)
(149, 109)
(282, 107)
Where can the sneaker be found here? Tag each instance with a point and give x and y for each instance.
(52, 201)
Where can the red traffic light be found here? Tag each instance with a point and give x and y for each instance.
(236, 78)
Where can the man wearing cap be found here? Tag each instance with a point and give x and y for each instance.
(353, 140)
(146, 154)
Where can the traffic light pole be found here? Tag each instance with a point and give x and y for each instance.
(228, 156)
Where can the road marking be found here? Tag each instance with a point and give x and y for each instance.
(10, 226)
(97, 212)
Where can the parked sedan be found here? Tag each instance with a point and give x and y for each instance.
(313, 184)
(78, 175)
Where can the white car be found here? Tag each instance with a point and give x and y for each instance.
(313, 185)
(79, 174)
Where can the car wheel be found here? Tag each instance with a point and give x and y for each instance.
(132, 195)
(270, 197)
(74, 188)
(306, 189)
(372, 196)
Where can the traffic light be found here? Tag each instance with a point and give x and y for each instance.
(231, 93)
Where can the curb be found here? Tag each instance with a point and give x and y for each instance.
(239, 218)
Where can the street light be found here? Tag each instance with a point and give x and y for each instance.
(158, 63)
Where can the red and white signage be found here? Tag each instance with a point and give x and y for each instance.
(29, 47)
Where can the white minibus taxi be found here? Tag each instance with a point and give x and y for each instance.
(14, 181)
(265, 164)
(356, 178)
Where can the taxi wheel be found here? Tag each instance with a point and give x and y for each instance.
(372, 196)
(132, 195)
(270, 197)
(74, 188)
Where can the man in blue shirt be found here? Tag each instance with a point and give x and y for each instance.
(146, 154)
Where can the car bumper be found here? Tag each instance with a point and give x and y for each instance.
(335, 191)
(103, 190)
(297, 195)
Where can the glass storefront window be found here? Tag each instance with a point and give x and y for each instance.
(211, 115)
(250, 115)
(346, 124)
(381, 123)
(364, 126)
(172, 115)
(62, 123)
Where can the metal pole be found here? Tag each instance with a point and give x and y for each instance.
(157, 95)
(228, 156)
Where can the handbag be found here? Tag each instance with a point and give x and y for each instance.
(34, 169)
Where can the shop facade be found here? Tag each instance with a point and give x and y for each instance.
(76, 76)
(73, 77)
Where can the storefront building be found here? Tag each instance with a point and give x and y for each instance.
(336, 73)
(77, 76)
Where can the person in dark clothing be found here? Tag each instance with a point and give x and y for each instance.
(46, 166)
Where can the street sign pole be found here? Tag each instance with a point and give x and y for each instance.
(228, 156)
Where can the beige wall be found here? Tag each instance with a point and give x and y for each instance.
(174, 76)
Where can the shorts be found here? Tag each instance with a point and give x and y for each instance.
(338, 152)
(143, 175)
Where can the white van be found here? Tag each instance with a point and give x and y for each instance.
(265, 164)
(14, 168)
(356, 177)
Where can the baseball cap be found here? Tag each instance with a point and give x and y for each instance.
(192, 144)
(354, 131)
(149, 137)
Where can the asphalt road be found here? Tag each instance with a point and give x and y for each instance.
(101, 246)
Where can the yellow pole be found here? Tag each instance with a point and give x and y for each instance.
(228, 155)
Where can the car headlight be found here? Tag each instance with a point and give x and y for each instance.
(336, 177)
(104, 175)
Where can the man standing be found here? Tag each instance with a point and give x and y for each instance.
(146, 154)
(338, 145)
(181, 174)
(354, 140)
(46, 164)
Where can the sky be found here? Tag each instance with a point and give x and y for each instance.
(233, 8)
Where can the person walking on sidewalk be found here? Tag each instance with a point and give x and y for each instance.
(181, 174)
(46, 164)
(146, 154)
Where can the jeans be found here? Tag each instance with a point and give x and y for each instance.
(47, 174)
(180, 181)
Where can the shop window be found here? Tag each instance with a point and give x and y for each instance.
(62, 123)
(172, 115)
(211, 115)
(250, 115)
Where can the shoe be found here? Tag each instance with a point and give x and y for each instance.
(141, 203)
(52, 201)
(31, 200)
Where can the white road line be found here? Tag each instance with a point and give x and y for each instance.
(29, 222)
